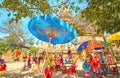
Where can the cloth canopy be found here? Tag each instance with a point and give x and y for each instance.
(51, 29)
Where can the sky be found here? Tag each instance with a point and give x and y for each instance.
(4, 15)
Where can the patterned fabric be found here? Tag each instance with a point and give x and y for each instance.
(52, 29)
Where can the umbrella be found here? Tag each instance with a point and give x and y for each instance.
(92, 45)
(51, 29)
(115, 36)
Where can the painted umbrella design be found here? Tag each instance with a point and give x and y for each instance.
(91, 45)
(51, 29)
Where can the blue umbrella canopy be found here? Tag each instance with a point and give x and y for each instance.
(51, 29)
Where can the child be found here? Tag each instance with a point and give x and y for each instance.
(86, 67)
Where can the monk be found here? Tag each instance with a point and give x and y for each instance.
(48, 72)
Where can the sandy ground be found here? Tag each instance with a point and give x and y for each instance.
(14, 70)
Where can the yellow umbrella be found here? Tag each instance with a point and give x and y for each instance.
(115, 36)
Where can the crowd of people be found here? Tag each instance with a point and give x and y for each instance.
(46, 63)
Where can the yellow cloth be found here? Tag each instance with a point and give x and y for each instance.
(84, 54)
(52, 63)
(115, 36)
(2, 73)
(16, 53)
(74, 59)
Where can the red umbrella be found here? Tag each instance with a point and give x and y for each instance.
(92, 44)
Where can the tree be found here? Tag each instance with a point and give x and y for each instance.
(24, 8)
(15, 33)
(4, 46)
(106, 13)
(34, 49)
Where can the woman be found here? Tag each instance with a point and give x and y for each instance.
(86, 67)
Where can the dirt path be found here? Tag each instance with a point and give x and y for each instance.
(14, 70)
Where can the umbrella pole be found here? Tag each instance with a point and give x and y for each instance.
(45, 53)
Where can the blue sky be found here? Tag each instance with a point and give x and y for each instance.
(4, 16)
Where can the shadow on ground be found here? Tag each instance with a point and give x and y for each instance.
(79, 74)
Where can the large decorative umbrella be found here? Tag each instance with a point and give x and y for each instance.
(51, 29)
(115, 36)
(91, 45)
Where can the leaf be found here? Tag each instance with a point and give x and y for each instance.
(58, 0)
(9, 14)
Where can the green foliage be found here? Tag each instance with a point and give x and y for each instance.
(16, 33)
(24, 8)
(106, 13)
(34, 49)
(78, 30)
(5, 46)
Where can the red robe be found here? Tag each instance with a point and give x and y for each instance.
(95, 63)
(57, 63)
(4, 66)
(48, 72)
(72, 69)
(1, 68)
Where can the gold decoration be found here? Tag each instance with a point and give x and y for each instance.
(54, 32)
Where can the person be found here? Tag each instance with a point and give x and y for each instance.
(52, 62)
(4, 66)
(48, 71)
(29, 61)
(86, 67)
(84, 54)
(74, 59)
(41, 67)
(39, 60)
(34, 59)
(2, 71)
(79, 63)
(57, 62)
(95, 63)
(69, 53)
(16, 54)
(72, 69)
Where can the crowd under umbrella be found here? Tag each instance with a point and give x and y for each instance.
(94, 59)
(51, 29)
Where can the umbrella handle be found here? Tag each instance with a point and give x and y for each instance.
(45, 54)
